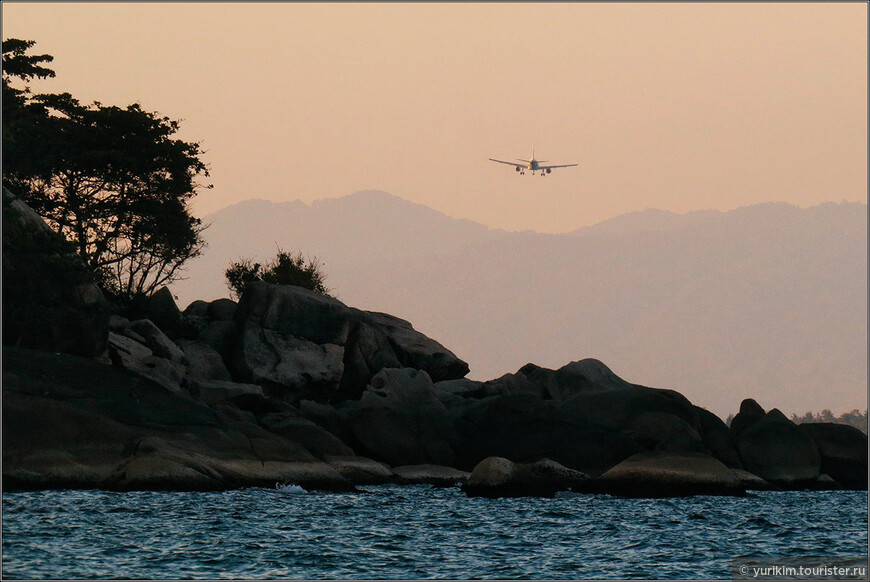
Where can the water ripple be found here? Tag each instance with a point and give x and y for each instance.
(414, 532)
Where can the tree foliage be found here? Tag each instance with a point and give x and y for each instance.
(854, 418)
(285, 269)
(115, 181)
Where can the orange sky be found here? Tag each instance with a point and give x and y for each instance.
(673, 106)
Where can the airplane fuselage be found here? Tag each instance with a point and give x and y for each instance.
(532, 165)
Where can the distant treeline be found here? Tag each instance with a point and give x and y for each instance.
(854, 418)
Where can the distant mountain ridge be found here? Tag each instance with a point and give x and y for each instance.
(766, 300)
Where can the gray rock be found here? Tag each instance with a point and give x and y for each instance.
(128, 353)
(49, 301)
(413, 349)
(573, 378)
(360, 470)
(400, 420)
(843, 450)
(88, 295)
(72, 422)
(198, 308)
(160, 308)
(448, 391)
(218, 392)
(367, 352)
(514, 384)
(157, 341)
(153, 463)
(668, 474)
(825, 483)
(222, 310)
(203, 362)
(716, 438)
(775, 449)
(292, 311)
(499, 477)
(750, 413)
(753, 482)
(653, 417)
(27, 215)
(295, 368)
(325, 416)
(292, 340)
(118, 324)
(129, 347)
(318, 440)
(222, 336)
(436, 475)
(522, 427)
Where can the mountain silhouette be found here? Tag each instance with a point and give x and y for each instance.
(766, 301)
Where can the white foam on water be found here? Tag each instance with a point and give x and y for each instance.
(290, 488)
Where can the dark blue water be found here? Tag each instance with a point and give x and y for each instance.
(415, 532)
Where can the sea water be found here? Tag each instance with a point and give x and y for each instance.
(409, 532)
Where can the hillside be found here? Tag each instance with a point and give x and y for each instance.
(768, 301)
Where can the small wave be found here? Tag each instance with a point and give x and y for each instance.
(761, 522)
(290, 488)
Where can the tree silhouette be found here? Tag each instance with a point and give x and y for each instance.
(113, 180)
(285, 269)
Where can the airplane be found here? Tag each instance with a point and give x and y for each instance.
(533, 165)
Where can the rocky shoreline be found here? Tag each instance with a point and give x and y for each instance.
(292, 387)
(289, 386)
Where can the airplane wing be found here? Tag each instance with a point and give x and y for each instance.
(514, 164)
(553, 167)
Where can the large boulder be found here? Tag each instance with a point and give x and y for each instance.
(368, 351)
(71, 422)
(292, 311)
(517, 383)
(290, 367)
(843, 450)
(203, 362)
(412, 349)
(399, 420)
(160, 307)
(157, 341)
(130, 354)
(221, 336)
(750, 412)
(222, 310)
(752, 482)
(496, 477)
(775, 449)
(716, 438)
(50, 301)
(151, 463)
(587, 391)
(668, 474)
(319, 441)
(652, 417)
(303, 345)
(292, 341)
(522, 428)
(573, 378)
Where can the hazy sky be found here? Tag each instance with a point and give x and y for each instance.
(673, 106)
